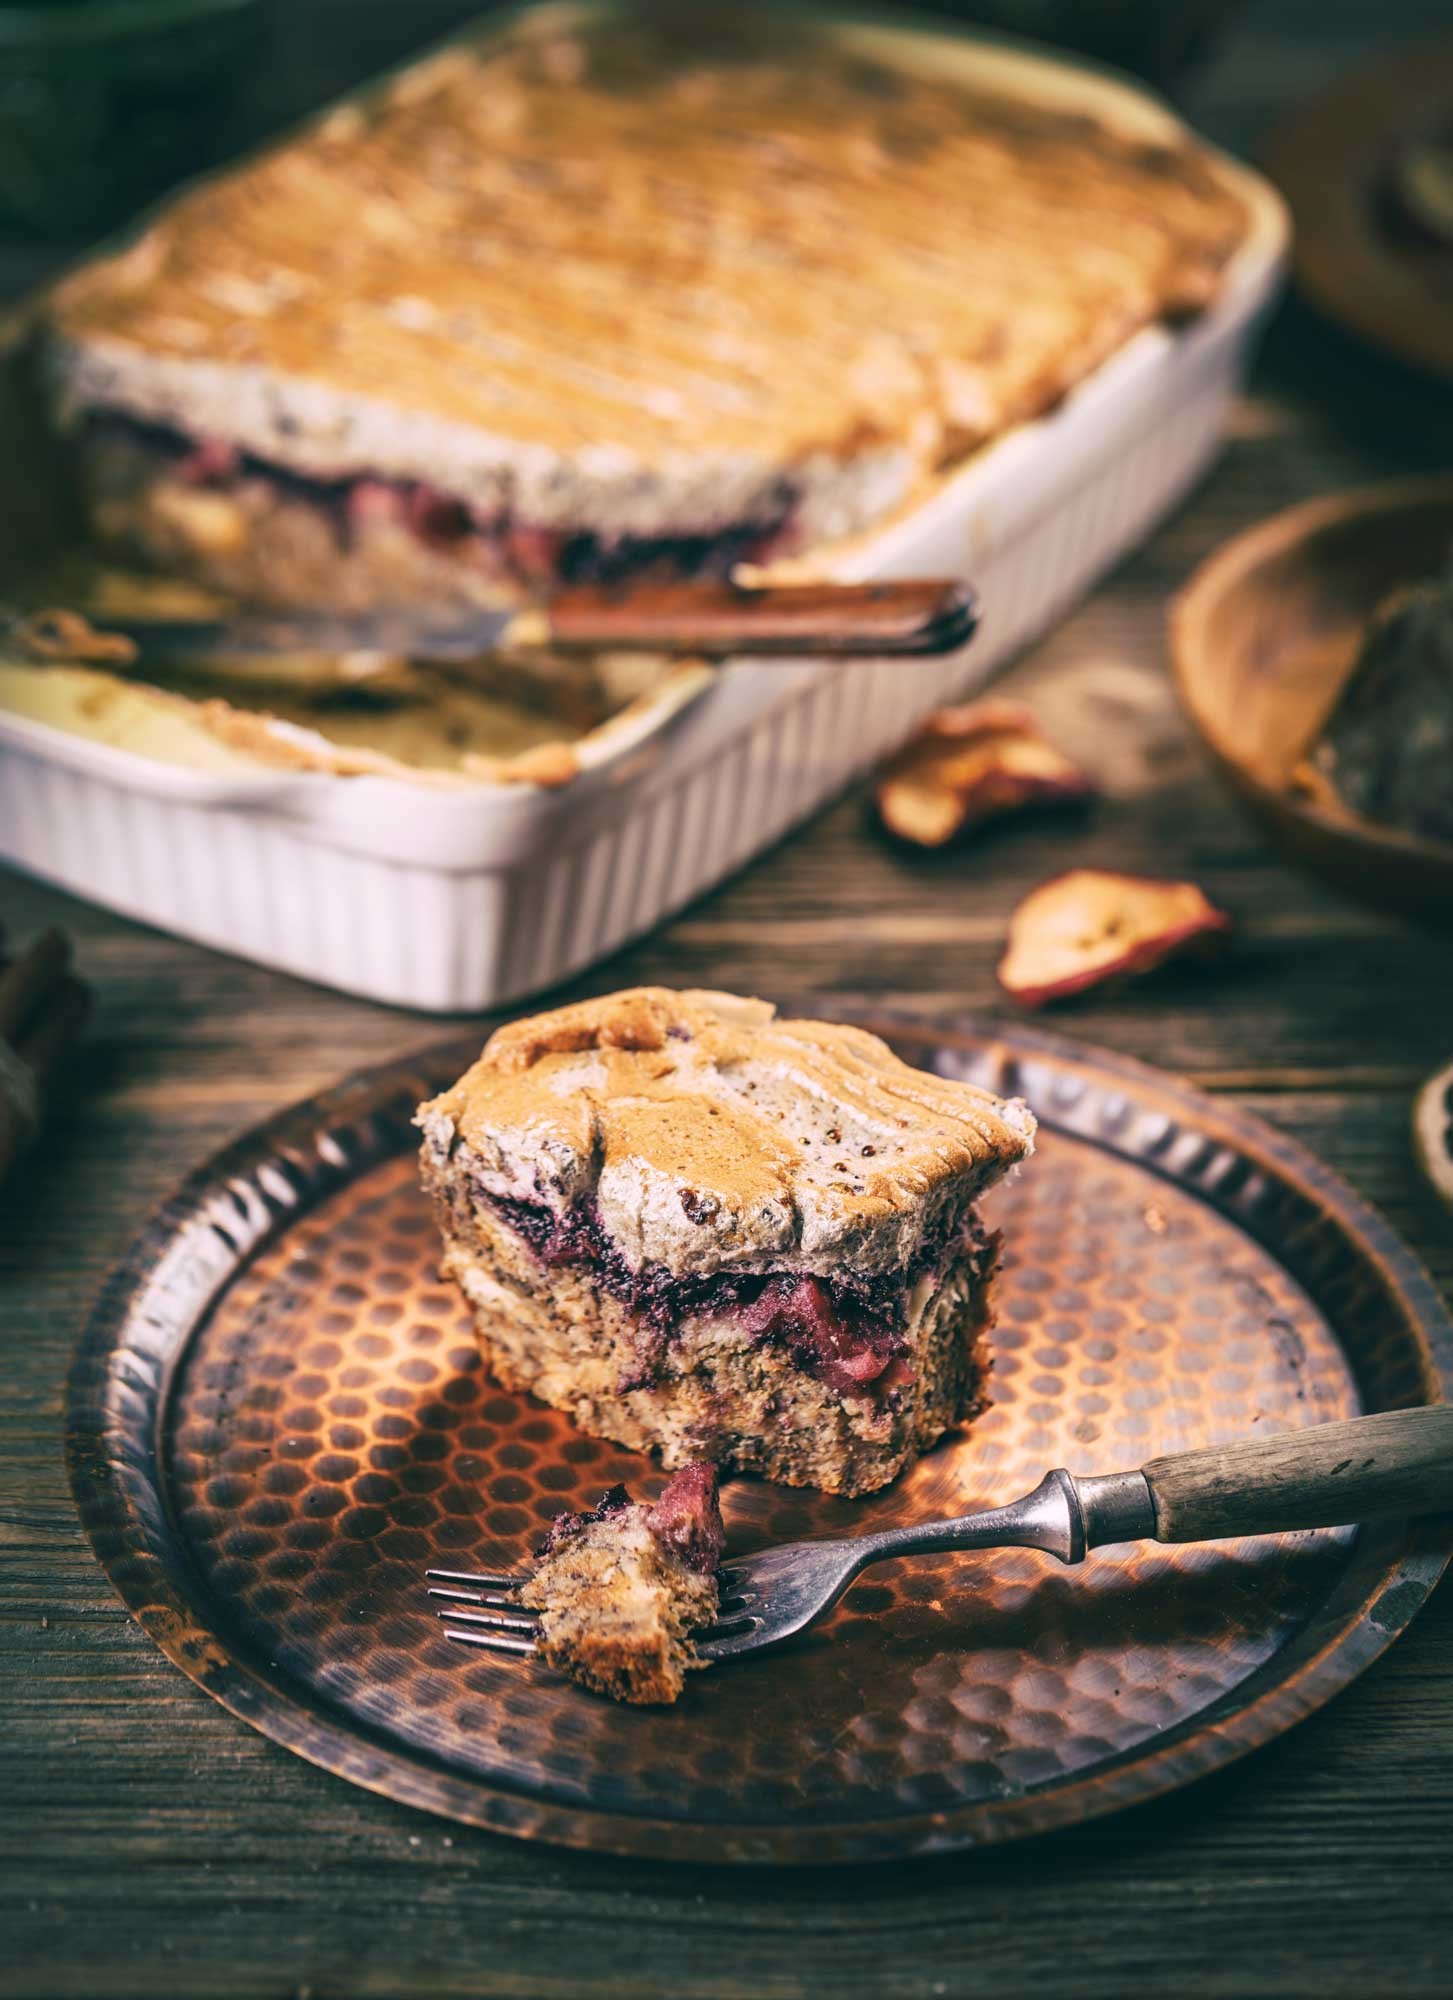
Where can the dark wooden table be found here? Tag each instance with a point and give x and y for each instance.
(152, 1844)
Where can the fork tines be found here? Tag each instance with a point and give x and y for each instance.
(501, 1624)
(477, 1579)
(503, 1621)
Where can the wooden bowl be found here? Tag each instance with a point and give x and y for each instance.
(1354, 257)
(1263, 638)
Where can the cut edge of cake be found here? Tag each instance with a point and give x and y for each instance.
(641, 1198)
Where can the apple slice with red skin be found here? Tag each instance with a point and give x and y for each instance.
(1089, 926)
(972, 764)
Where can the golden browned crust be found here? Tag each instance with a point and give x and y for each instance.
(711, 1133)
(574, 243)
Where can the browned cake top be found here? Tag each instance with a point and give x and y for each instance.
(709, 1131)
(583, 242)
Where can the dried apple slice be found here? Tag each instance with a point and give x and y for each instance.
(972, 764)
(1433, 1131)
(1088, 926)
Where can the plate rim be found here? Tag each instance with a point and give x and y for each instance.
(1406, 1559)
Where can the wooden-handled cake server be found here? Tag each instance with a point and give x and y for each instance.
(834, 620)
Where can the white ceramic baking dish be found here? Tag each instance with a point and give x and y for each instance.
(461, 899)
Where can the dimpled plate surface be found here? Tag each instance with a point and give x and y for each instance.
(278, 1419)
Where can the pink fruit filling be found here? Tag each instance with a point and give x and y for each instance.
(846, 1329)
(800, 1312)
(499, 543)
(687, 1518)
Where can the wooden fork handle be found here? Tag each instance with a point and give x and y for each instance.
(834, 619)
(1394, 1464)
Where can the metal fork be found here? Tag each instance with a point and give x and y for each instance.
(1394, 1464)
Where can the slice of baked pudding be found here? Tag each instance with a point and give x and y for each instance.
(610, 296)
(703, 1230)
(620, 1589)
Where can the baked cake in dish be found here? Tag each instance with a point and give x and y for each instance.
(585, 301)
(621, 1589)
(706, 1231)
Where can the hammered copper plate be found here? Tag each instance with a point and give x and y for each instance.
(278, 1419)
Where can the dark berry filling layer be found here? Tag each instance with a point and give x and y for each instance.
(686, 1517)
(499, 544)
(847, 1329)
(566, 1527)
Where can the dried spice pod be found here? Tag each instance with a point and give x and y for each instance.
(1433, 1131)
(43, 1008)
(1089, 926)
(972, 764)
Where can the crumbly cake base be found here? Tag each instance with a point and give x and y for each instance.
(743, 1404)
(266, 541)
(617, 1611)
